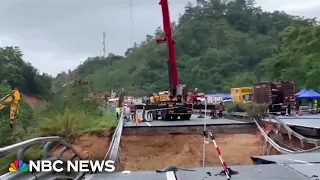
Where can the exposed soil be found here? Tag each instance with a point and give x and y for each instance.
(153, 152)
(158, 151)
(89, 146)
(30, 100)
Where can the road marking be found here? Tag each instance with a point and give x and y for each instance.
(303, 162)
(170, 175)
(148, 123)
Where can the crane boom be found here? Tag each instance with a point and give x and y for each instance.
(172, 105)
(172, 65)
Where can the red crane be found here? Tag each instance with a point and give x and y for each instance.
(176, 107)
(172, 65)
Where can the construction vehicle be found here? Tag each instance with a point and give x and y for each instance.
(195, 97)
(167, 108)
(279, 95)
(242, 95)
(173, 103)
(13, 101)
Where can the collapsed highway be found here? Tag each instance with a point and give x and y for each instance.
(151, 155)
(148, 148)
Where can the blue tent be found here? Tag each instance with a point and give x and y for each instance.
(302, 92)
(309, 95)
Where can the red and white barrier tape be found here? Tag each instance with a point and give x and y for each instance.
(224, 165)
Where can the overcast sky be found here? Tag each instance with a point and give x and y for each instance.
(56, 35)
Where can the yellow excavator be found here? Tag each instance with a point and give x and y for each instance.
(13, 100)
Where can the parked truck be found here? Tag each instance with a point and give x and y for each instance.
(278, 95)
(242, 95)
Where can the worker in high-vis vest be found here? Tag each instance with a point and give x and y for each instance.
(118, 112)
(315, 106)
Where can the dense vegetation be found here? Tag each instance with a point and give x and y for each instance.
(67, 114)
(16, 73)
(22, 75)
(297, 56)
(219, 44)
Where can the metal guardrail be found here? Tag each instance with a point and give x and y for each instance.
(291, 132)
(271, 141)
(114, 147)
(113, 151)
(241, 115)
(277, 142)
(48, 143)
(278, 147)
(280, 123)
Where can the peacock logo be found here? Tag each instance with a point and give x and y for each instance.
(18, 166)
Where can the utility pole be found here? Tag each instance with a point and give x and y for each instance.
(104, 44)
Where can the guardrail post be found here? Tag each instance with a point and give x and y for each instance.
(20, 152)
(62, 151)
(302, 142)
(279, 126)
(46, 149)
(289, 135)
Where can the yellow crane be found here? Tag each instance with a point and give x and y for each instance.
(13, 100)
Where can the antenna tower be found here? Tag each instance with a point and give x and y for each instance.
(104, 44)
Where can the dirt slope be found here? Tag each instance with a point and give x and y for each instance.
(89, 146)
(30, 100)
(161, 151)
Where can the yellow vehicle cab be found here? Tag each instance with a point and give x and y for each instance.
(242, 95)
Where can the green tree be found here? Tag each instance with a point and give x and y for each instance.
(219, 45)
(19, 74)
(297, 56)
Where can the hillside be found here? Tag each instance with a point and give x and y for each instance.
(22, 75)
(16, 73)
(218, 46)
(298, 55)
(41, 112)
